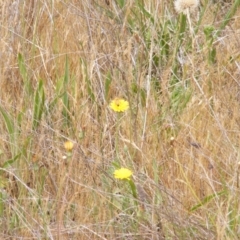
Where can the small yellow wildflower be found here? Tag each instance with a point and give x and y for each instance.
(119, 105)
(123, 173)
(68, 145)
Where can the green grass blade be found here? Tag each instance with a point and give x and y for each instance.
(66, 74)
(65, 98)
(164, 40)
(1, 203)
(58, 94)
(180, 96)
(11, 161)
(145, 13)
(180, 28)
(3, 196)
(207, 199)
(24, 75)
(108, 81)
(66, 108)
(9, 123)
(133, 188)
(158, 195)
(121, 3)
(183, 25)
(4, 182)
(61, 93)
(39, 101)
(89, 84)
(229, 15)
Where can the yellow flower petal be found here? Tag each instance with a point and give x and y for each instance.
(123, 173)
(119, 105)
(68, 146)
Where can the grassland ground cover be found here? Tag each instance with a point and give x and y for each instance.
(119, 119)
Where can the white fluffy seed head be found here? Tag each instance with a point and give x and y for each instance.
(182, 6)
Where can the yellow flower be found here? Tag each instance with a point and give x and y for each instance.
(68, 145)
(119, 105)
(123, 173)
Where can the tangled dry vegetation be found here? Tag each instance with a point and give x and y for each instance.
(62, 62)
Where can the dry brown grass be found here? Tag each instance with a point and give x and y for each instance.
(181, 154)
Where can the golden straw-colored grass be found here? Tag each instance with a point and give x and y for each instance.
(180, 139)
